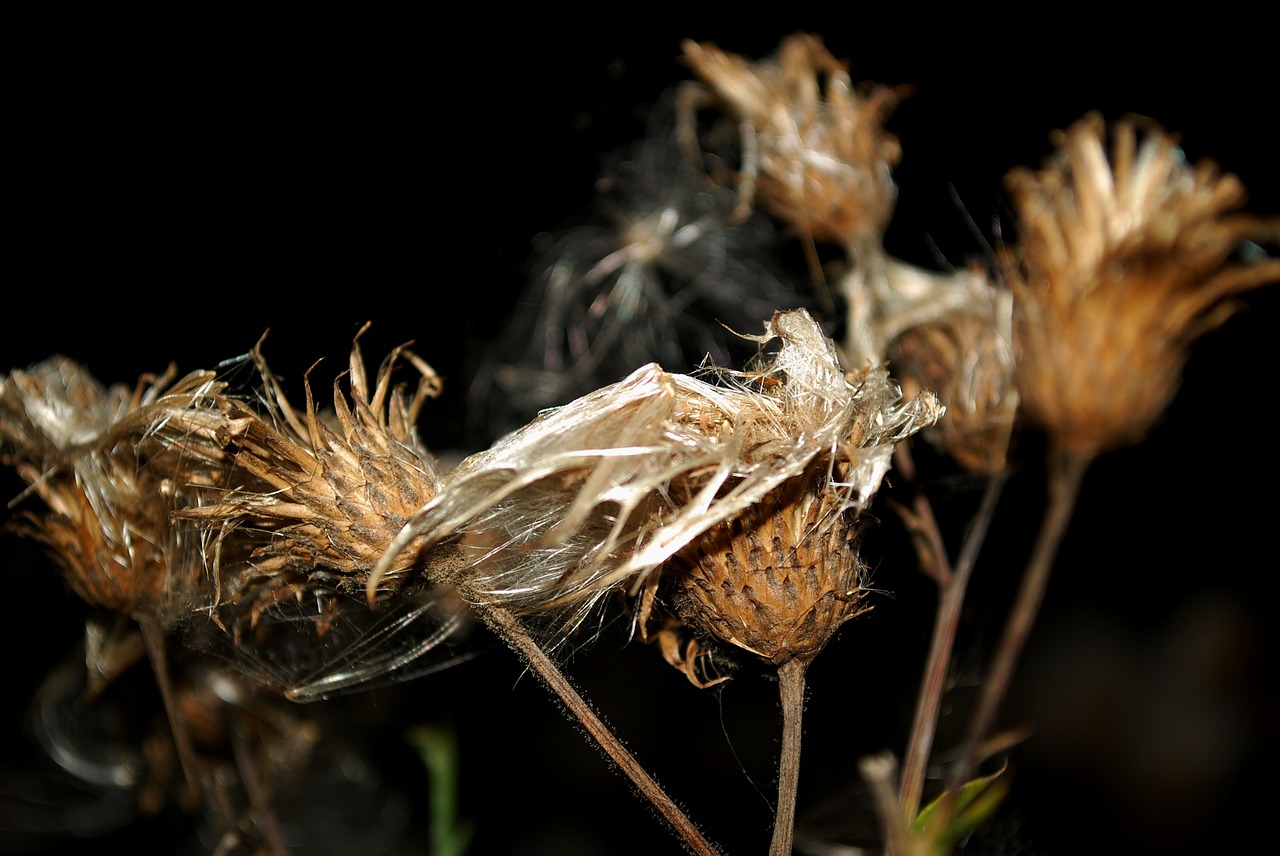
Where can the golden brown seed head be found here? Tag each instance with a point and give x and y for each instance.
(1123, 262)
(778, 580)
(315, 500)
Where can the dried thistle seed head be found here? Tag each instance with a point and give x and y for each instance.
(779, 579)
(823, 157)
(600, 494)
(1122, 263)
(967, 356)
(314, 502)
(91, 454)
(308, 506)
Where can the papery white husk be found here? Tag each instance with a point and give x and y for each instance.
(599, 494)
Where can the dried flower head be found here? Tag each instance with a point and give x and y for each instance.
(817, 157)
(600, 494)
(309, 508)
(113, 465)
(967, 356)
(1122, 263)
(91, 454)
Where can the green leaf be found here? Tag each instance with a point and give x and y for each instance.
(975, 805)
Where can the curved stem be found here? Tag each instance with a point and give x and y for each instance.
(514, 632)
(791, 689)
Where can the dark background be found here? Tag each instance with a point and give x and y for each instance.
(179, 186)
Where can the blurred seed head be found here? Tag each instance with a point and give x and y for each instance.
(966, 355)
(656, 273)
(824, 159)
(90, 453)
(1125, 258)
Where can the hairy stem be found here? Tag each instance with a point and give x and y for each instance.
(505, 623)
(791, 689)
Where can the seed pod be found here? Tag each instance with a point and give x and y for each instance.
(779, 579)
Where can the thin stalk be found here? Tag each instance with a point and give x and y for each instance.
(791, 690)
(933, 682)
(157, 653)
(505, 623)
(1066, 473)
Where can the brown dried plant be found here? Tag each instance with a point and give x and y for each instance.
(966, 356)
(1124, 260)
(817, 157)
(311, 503)
(724, 510)
(98, 459)
(91, 456)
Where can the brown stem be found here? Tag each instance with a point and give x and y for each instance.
(505, 623)
(1066, 473)
(260, 810)
(933, 682)
(791, 689)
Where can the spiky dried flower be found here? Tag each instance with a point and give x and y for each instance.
(92, 455)
(1123, 261)
(599, 495)
(310, 507)
(112, 465)
(776, 581)
(819, 156)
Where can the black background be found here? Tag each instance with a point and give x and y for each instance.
(179, 186)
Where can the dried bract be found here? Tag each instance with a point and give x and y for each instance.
(819, 157)
(1123, 261)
